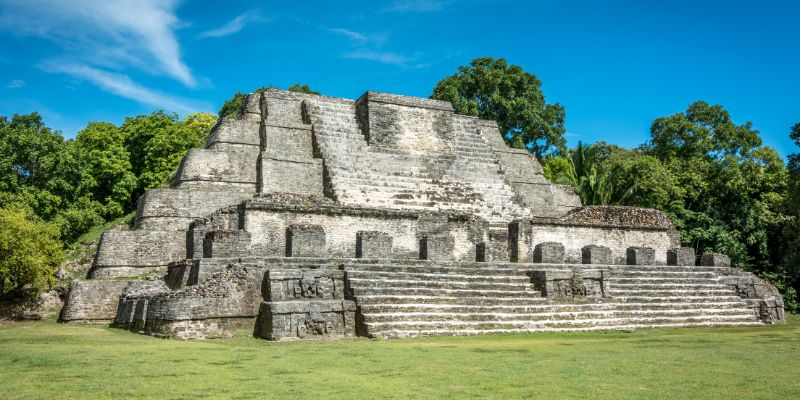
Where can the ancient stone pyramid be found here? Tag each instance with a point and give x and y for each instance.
(390, 216)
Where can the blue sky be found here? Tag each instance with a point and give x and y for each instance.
(614, 65)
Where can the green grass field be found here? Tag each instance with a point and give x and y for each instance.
(49, 360)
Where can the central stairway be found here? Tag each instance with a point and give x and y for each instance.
(408, 299)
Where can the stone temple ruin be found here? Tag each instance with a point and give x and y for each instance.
(391, 216)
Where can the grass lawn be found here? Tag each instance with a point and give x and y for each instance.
(49, 360)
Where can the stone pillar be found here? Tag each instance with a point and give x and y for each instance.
(496, 248)
(715, 260)
(593, 254)
(640, 256)
(437, 247)
(549, 253)
(373, 244)
(305, 240)
(681, 256)
(519, 241)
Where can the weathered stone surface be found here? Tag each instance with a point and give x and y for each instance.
(92, 301)
(572, 286)
(681, 256)
(548, 252)
(221, 243)
(298, 284)
(123, 253)
(641, 256)
(715, 260)
(306, 319)
(373, 244)
(292, 176)
(593, 254)
(212, 169)
(305, 240)
(170, 209)
(620, 216)
(235, 132)
(575, 236)
(437, 247)
(761, 296)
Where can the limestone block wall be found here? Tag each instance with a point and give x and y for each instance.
(236, 133)
(407, 122)
(95, 300)
(131, 253)
(173, 209)
(268, 225)
(219, 169)
(228, 300)
(287, 163)
(575, 236)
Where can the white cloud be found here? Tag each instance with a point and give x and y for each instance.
(403, 6)
(15, 84)
(350, 34)
(114, 34)
(234, 26)
(121, 85)
(385, 57)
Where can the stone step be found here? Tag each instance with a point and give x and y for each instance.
(445, 293)
(450, 300)
(372, 308)
(405, 333)
(616, 286)
(417, 276)
(663, 274)
(549, 315)
(664, 268)
(669, 292)
(376, 327)
(674, 299)
(437, 284)
(677, 281)
(437, 268)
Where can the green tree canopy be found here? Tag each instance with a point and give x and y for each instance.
(29, 252)
(733, 188)
(157, 142)
(38, 168)
(492, 89)
(107, 164)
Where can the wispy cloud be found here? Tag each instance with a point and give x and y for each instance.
(15, 84)
(350, 34)
(112, 34)
(384, 57)
(235, 25)
(404, 6)
(121, 85)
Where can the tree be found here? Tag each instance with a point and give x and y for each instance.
(29, 252)
(231, 106)
(492, 89)
(157, 142)
(733, 188)
(790, 265)
(38, 168)
(200, 124)
(109, 174)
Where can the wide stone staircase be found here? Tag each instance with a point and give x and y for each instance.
(360, 174)
(408, 299)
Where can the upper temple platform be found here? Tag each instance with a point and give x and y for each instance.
(381, 150)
